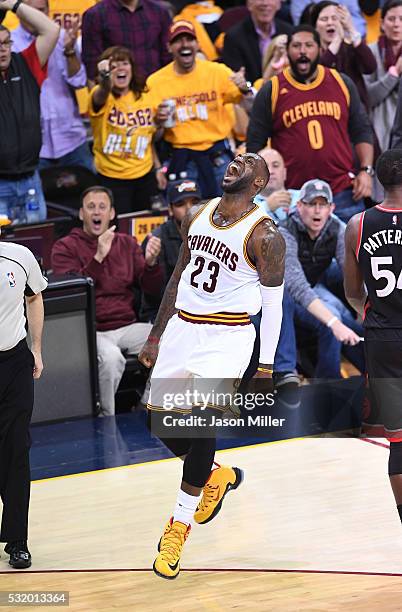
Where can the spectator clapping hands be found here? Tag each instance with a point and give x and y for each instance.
(152, 250)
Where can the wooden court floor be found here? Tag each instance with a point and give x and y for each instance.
(313, 527)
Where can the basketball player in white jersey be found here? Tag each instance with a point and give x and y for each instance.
(231, 264)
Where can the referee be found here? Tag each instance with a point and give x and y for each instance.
(21, 284)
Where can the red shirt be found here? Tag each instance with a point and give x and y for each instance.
(30, 55)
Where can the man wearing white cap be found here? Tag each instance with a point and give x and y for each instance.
(314, 236)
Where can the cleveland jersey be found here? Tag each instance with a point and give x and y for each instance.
(220, 276)
(310, 128)
(379, 253)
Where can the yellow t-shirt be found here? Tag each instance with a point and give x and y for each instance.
(200, 95)
(123, 131)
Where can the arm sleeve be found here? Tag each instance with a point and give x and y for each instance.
(66, 261)
(379, 88)
(30, 55)
(295, 279)
(359, 125)
(327, 58)
(35, 281)
(364, 58)
(92, 43)
(271, 320)
(260, 124)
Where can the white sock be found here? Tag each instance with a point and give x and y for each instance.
(185, 507)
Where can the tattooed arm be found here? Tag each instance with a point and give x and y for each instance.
(149, 351)
(266, 248)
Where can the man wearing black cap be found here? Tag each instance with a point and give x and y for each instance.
(182, 195)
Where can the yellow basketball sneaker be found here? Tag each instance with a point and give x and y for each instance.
(166, 564)
(221, 480)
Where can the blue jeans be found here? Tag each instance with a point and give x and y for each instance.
(219, 171)
(345, 206)
(81, 156)
(10, 191)
(329, 348)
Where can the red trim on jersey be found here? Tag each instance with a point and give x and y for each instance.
(359, 237)
(388, 210)
(218, 318)
(365, 310)
(374, 431)
(31, 57)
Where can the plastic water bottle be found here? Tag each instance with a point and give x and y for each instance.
(32, 207)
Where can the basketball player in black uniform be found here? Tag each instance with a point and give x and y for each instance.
(373, 284)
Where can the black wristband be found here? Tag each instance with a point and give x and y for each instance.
(104, 75)
(16, 6)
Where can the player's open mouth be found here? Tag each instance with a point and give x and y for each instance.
(97, 222)
(330, 30)
(186, 53)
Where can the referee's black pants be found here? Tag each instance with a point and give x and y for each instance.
(16, 404)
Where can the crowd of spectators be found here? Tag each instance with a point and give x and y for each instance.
(136, 91)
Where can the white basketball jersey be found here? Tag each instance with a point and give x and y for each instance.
(220, 276)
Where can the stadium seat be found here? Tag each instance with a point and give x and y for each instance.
(62, 186)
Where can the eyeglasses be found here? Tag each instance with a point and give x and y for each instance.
(6, 44)
(317, 205)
